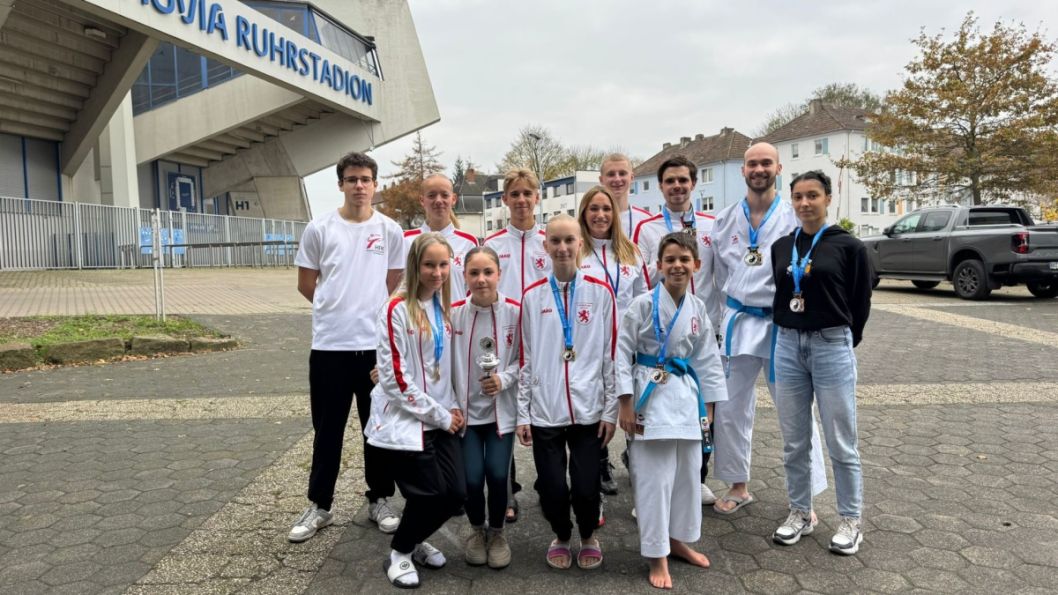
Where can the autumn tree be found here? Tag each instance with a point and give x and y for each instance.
(401, 198)
(536, 149)
(839, 94)
(977, 115)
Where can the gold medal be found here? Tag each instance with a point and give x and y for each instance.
(659, 376)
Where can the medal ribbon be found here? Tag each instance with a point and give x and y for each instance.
(754, 232)
(663, 336)
(437, 329)
(616, 287)
(567, 323)
(668, 219)
(798, 265)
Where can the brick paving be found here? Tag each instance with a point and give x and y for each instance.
(183, 474)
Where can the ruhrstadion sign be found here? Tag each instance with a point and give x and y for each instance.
(251, 41)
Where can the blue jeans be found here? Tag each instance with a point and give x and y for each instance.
(487, 458)
(819, 365)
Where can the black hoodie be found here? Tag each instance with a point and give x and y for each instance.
(837, 290)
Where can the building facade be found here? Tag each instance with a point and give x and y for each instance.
(719, 161)
(560, 195)
(201, 106)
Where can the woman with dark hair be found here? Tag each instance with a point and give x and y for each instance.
(822, 301)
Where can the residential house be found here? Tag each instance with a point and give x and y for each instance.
(559, 195)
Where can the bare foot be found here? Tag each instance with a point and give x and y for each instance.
(659, 573)
(683, 551)
(737, 490)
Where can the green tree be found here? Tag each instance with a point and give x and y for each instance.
(840, 94)
(977, 116)
(401, 199)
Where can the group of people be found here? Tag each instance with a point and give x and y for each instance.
(557, 336)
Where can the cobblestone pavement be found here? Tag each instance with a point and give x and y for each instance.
(182, 475)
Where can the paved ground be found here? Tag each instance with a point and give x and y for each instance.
(182, 474)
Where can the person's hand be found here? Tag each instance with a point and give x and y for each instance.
(525, 435)
(374, 375)
(491, 385)
(606, 431)
(457, 421)
(626, 416)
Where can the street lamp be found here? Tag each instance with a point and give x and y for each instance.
(535, 156)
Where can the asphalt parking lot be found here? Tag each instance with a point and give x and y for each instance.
(183, 474)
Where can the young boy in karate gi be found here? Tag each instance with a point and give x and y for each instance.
(669, 374)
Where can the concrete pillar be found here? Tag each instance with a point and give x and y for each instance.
(118, 159)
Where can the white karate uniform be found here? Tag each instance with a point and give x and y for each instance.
(666, 460)
(461, 243)
(471, 323)
(648, 236)
(523, 259)
(408, 401)
(551, 391)
(750, 338)
(626, 280)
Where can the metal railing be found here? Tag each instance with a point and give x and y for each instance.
(44, 234)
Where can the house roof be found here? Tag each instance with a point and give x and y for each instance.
(470, 189)
(729, 144)
(819, 119)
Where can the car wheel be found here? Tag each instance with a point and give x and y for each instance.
(970, 280)
(1043, 289)
(925, 284)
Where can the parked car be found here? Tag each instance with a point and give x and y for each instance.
(978, 249)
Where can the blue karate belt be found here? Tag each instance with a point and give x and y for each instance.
(739, 309)
(677, 366)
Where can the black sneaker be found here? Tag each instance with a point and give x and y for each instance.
(608, 485)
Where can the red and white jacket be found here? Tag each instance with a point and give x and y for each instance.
(407, 401)
(631, 219)
(648, 236)
(471, 323)
(553, 392)
(523, 259)
(628, 278)
(461, 243)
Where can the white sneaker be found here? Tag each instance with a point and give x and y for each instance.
(848, 538)
(428, 556)
(795, 525)
(380, 512)
(708, 497)
(312, 520)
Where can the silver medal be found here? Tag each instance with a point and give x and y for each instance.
(569, 355)
(797, 304)
(753, 258)
(659, 376)
(436, 372)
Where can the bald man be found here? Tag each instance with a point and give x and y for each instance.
(742, 236)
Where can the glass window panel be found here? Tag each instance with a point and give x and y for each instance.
(188, 72)
(163, 75)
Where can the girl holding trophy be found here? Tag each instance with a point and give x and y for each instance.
(485, 377)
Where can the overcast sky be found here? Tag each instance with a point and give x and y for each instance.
(636, 73)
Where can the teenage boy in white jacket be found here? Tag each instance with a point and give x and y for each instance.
(569, 329)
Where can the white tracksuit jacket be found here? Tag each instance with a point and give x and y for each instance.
(407, 401)
(461, 243)
(470, 323)
(523, 259)
(603, 265)
(553, 392)
(750, 285)
(672, 410)
(648, 236)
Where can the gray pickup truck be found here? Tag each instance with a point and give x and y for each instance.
(978, 249)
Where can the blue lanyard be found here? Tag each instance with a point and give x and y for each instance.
(754, 232)
(567, 324)
(668, 219)
(663, 337)
(798, 265)
(615, 286)
(437, 330)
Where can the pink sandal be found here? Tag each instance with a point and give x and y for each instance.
(555, 552)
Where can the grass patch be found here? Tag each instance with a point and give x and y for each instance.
(42, 331)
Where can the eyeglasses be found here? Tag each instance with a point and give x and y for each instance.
(352, 180)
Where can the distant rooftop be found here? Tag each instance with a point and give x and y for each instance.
(819, 119)
(729, 144)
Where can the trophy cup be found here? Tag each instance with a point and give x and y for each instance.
(488, 360)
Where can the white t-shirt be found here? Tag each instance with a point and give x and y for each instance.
(353, 260)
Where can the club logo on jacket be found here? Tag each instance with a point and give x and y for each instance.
(734, 239)
(457, 261)
(375, 244)
(508, 336)
(584, 313)
(626, 271)
(706, 240)
(695, 326)
(539, 262)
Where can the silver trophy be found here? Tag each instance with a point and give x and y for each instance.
(488, 360)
